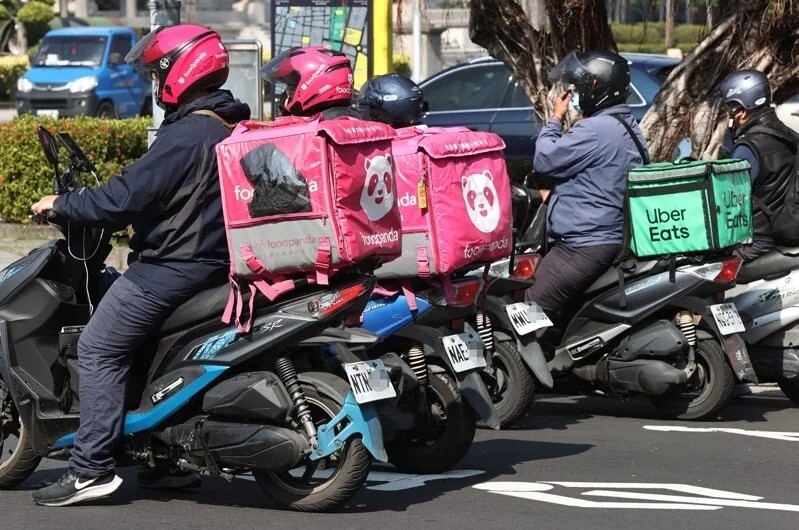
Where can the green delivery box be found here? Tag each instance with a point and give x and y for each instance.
(688, 207)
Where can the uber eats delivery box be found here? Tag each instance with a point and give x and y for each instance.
(688, 207)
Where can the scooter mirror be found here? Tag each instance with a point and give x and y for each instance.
(49, 146)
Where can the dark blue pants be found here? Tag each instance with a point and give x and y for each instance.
(565, 273)
(126, 315)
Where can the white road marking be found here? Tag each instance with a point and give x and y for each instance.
(694, 500)
(392, 481)
(698, 498)
(774, 435)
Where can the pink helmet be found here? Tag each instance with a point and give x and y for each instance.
(183, 60)
(316, 78)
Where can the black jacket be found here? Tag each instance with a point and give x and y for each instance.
(170, 195)
(775, 146)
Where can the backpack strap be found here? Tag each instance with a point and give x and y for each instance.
(422, 262)
(410, 295)
(641, 151)
(206, 112)
(323, 261)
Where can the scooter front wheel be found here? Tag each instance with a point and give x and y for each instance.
(709, 390)
(326, 484)
(18, 460)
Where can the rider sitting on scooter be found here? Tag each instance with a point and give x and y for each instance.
(589, 165)
(768, 144)
(172, 198)
(391, 99)
(305, 72)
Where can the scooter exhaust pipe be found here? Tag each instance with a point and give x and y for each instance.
(646, 376)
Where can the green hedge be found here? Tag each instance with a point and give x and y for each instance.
(650, 37)
(11, 67)
(25, 175)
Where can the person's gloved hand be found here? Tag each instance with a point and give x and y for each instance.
(44, 205)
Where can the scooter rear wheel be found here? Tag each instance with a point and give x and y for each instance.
(791, 390)
(22, 460)
(443, 450)
(328, 483)
(512, 387)
(713, 391)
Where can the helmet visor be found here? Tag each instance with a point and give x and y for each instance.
(134, 58)
(279, 68)
(570, 71)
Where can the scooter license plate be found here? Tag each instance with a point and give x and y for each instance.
(369, 381)
(527, 317)
(465, 351)
(727, 319)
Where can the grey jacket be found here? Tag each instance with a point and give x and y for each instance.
(589, 164)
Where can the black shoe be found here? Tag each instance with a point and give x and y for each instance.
(72, 489)
(168, 478)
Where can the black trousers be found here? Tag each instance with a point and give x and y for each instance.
(565, 273)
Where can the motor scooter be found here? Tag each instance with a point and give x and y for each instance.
(201, 396)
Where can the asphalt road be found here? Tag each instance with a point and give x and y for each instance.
(637, 478)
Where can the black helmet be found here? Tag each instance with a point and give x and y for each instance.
(392, 99)
(602, 79)
(746, 89)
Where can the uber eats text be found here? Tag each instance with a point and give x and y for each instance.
(661, 219)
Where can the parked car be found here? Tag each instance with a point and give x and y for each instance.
(482, 94)
(82, 70)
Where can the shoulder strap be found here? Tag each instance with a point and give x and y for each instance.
(641, 150)
(206, 112)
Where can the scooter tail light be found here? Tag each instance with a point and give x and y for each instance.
(330, 303)
(729, 270)
(525, 266)
(464, 293)
(721, 271)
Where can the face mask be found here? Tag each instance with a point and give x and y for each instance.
(575, 102)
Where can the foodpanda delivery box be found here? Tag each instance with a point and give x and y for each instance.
(306, 197)
(688, 207)
(454, 197)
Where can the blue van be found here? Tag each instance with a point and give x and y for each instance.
(83, 71)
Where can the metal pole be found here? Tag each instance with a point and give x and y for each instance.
(162, 13)
(417, 41)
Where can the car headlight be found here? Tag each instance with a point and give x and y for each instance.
(23, 85)
(83, 84)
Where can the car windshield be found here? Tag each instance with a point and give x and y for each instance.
(70, 51)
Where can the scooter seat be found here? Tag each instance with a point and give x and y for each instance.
(773, 264)
(611, 276)
(205, 305)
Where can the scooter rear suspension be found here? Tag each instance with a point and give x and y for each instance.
(288, 376)
(485, 330)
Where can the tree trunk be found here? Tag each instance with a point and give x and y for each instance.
(751, 34)
(503, 28)
(671, 11)
(689, 12)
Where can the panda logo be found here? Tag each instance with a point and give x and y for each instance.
(480, 197)
(377, 197)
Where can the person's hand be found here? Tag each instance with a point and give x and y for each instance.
(560, 107)
(44, 205)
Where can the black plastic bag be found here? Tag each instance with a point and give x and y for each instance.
(278, 188)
